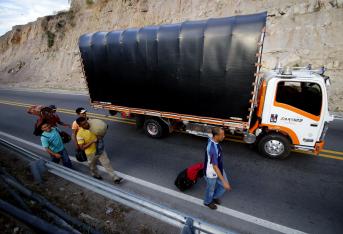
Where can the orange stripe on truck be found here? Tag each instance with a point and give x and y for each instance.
(284, 130)
(261, 97)
(296, 110)
(252, 130)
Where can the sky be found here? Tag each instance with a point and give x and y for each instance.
(18, 12)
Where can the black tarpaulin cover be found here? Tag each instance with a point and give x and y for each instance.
(203, 68)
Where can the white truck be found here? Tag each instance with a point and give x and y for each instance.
(292, 111)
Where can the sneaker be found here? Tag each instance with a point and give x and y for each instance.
(118, 180)
(217, 201)
(211, 206)
(98, 177)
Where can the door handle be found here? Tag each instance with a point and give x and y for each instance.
(314, 125)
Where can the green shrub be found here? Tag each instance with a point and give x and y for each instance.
(51, 38)
(89, 2)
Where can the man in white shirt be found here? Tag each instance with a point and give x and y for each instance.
(215, 175)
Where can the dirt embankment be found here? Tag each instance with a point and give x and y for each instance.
(44, 53)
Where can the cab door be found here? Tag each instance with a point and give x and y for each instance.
(297, 109)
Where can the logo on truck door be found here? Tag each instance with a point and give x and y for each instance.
(291, 120)
(273, 118)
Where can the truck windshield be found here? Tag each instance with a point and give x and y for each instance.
(306, 96)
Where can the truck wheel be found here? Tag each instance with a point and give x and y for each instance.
(153, 128)
(274, 146)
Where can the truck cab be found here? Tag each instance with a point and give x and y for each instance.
(292, 111)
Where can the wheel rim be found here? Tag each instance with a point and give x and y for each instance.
(152, 129)
(274, 147)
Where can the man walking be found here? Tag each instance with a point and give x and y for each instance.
(53, 144)
(88, 141)
(216, 180)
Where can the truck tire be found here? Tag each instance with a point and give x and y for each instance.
(275, 146)
(153, 128)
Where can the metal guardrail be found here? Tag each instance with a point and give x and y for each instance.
(165, 214)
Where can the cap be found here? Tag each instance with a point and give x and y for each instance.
(52, 107)
(80, 110)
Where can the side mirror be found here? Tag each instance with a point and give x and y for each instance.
(327, 82)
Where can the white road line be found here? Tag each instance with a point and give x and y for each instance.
(185, 197)
(338, 118)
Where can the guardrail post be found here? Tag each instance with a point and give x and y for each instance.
(37, 168)
(188, 228)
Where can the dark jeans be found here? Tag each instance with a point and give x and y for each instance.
(65, 159)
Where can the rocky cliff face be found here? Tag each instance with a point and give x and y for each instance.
(44, 53)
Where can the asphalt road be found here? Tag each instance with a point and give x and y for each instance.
(303, 192)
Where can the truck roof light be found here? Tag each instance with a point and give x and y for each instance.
(278, 66)
(287, 71)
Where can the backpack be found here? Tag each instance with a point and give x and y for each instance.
(66, 138)
(80, 155)
(189, 176)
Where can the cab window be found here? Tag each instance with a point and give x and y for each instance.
(305, 96)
